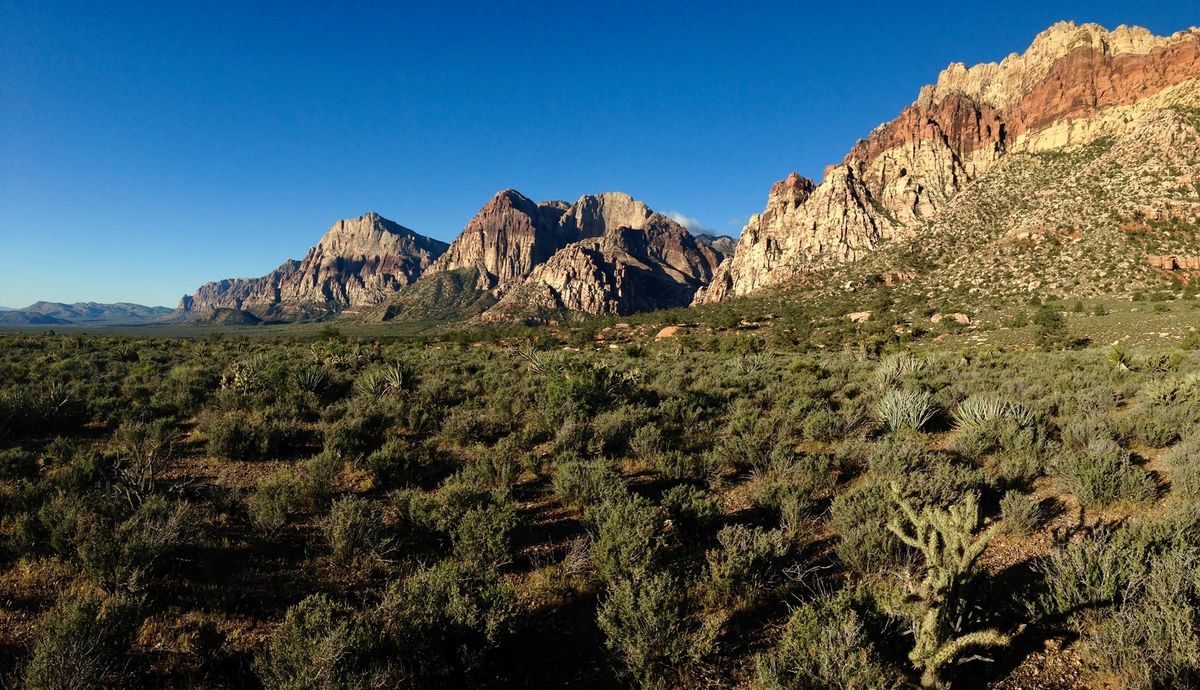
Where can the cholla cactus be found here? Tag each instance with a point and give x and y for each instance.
(243, 375)
(950, 542)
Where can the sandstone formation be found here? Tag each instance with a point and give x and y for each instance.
(511, 235)
(624, 270)
(605, 254)
(359, 262)
(1075, 85)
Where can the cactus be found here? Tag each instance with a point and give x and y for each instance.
(950, 542)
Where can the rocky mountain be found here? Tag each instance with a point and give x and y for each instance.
(604, 254)
(1079, 91)
(622, 271)
(359, 262)
(722, 244)
(82, 313)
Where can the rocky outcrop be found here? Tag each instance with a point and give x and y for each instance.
(722, 244)
(802, 228)
(511, 235)
(1074, 85)
(359, 262)
(1174, 263)
(624, 270)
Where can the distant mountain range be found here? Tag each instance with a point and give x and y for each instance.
(604, 254)
(83, 313)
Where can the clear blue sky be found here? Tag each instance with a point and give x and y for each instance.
(146, 148)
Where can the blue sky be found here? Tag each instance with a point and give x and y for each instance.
(146, 148)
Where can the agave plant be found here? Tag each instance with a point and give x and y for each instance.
(899, 409)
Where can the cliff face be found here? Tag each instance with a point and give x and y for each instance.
(359, 262)
(511, 235)
(624, 270)
(1074, 85)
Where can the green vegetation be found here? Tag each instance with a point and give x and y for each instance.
(527, 506)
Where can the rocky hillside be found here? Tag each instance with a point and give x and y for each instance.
(604, 254)
(359, 262)
(1079, 99)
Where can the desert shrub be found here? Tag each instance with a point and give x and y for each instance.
(691, 509)
(481, 536)
(403, 462)
(250, 435)
(353, 532)
(465, 426)
(859, 516)
(613, 429)
(1004, 446)
(1184, 463)
(356, 435)
(1102, 474)
(573, 436)
(629, 537)
(649, 621)
(789, 483)
(825, 644)
(583, 390)
(1079, 432)
(446, 616)
(899, 409)
(1021, 513)
(743, 565)
(822, 425)
(142, 452)
(1050, 328)
(82, 644)
(647, 443)
(317, 647)
(924, 476)
(277, 496)
(676, 464)
(579, 483)
(1085, 573)
(1152, 639)
(119, 555)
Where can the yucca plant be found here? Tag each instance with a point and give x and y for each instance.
(311, 379)
(371, 384)
(893, 368)
(981, 408)
(905, 409)
(750, 363)
(1120, 358)
(978, 409)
